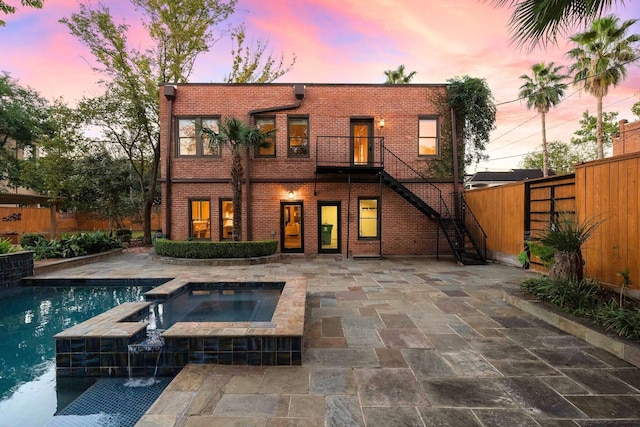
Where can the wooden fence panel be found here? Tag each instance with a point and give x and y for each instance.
(607, 191)
(500, 212)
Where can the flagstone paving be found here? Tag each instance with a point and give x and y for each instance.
(398, 342)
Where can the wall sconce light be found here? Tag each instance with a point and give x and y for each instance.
(381, 122)
(290, 194)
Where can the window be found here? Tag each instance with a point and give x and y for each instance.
(428, 137)
(298, 137)
(190, 140)
(368, 222)
(200, 219)
(226, 219)
(266, 124)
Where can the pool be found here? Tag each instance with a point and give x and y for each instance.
(29, 317)
(117, 343)
(217, 302)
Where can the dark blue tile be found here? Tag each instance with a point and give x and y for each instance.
(254, 358)
(225, 358)
(225, 344)
(107, 345)
(196, 344)
(78, 345)
(269, 358)
(93, 345)
(254, 344)
(296, 358)
(240, 358)
(196, 357)
(283, 358)
(270, 344)
(63, 360)
(210, 344)
(63, 346)
(211, 358)
(296, 343)
(284, 344)
(240, 344)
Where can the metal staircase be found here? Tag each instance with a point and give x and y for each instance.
(461, 229)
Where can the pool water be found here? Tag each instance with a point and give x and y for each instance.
(217, 305)
(30, 394)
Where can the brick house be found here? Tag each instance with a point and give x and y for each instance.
(628, 138)
(344, 172)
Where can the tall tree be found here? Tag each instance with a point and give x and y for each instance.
(24, 119)
(179, 30)
(635, 109)
(543, 90)
(249, 63)
(7, 9)
(585, 139)
(539, 22)
(398, 76)
(600, 59)
(237, 135)
(561, 158)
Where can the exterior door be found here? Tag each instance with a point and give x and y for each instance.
(291, 227)
(362, 142)
(329, 227)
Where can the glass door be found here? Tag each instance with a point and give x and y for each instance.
(329, 227)
(291, 227)
(362, 142)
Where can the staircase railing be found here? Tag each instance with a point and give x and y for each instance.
(475, 230)
(415, 182)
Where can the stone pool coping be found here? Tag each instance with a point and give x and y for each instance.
(287, 320)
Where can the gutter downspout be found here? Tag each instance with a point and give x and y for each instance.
(298, 90)
(170, 94)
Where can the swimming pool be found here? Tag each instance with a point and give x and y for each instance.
(29, 317)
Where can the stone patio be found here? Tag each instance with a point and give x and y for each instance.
(398, 342)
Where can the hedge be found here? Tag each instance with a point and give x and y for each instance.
(208, 250)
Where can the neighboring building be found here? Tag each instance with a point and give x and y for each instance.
(628, 139)
(339, 177)
(491, 179)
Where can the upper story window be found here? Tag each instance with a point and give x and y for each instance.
(190, 140)
(428, 136)
(266, 124)
(298, 137)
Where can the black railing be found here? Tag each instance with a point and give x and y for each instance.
(338, 151)
(475, 230)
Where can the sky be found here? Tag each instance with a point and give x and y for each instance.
(345, 41)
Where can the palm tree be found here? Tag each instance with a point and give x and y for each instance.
(600, 60)
(535, 22)
(237, 135)
(543, 90)
(397, 77)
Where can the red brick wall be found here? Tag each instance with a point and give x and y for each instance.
(329, 107)
(628, 140)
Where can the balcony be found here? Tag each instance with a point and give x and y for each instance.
(349, 154)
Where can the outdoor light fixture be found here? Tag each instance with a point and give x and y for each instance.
(291, 194)
(381, 122)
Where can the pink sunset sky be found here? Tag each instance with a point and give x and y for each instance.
(346, 41)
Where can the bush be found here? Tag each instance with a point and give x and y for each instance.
(74, 245)
(30, 240)
(6, 246)
(576, 297)
(209, 250)
(123, 234)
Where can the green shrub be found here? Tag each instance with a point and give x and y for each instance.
(75, 245)
(29, 240)
(6, 246)
(123, 234)
(209, 250)
(624, 321)
(576, 297)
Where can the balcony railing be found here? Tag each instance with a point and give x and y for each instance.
(349, 152)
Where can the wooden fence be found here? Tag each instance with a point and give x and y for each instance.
(604, 190)
(16, 221)
(607, 191)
